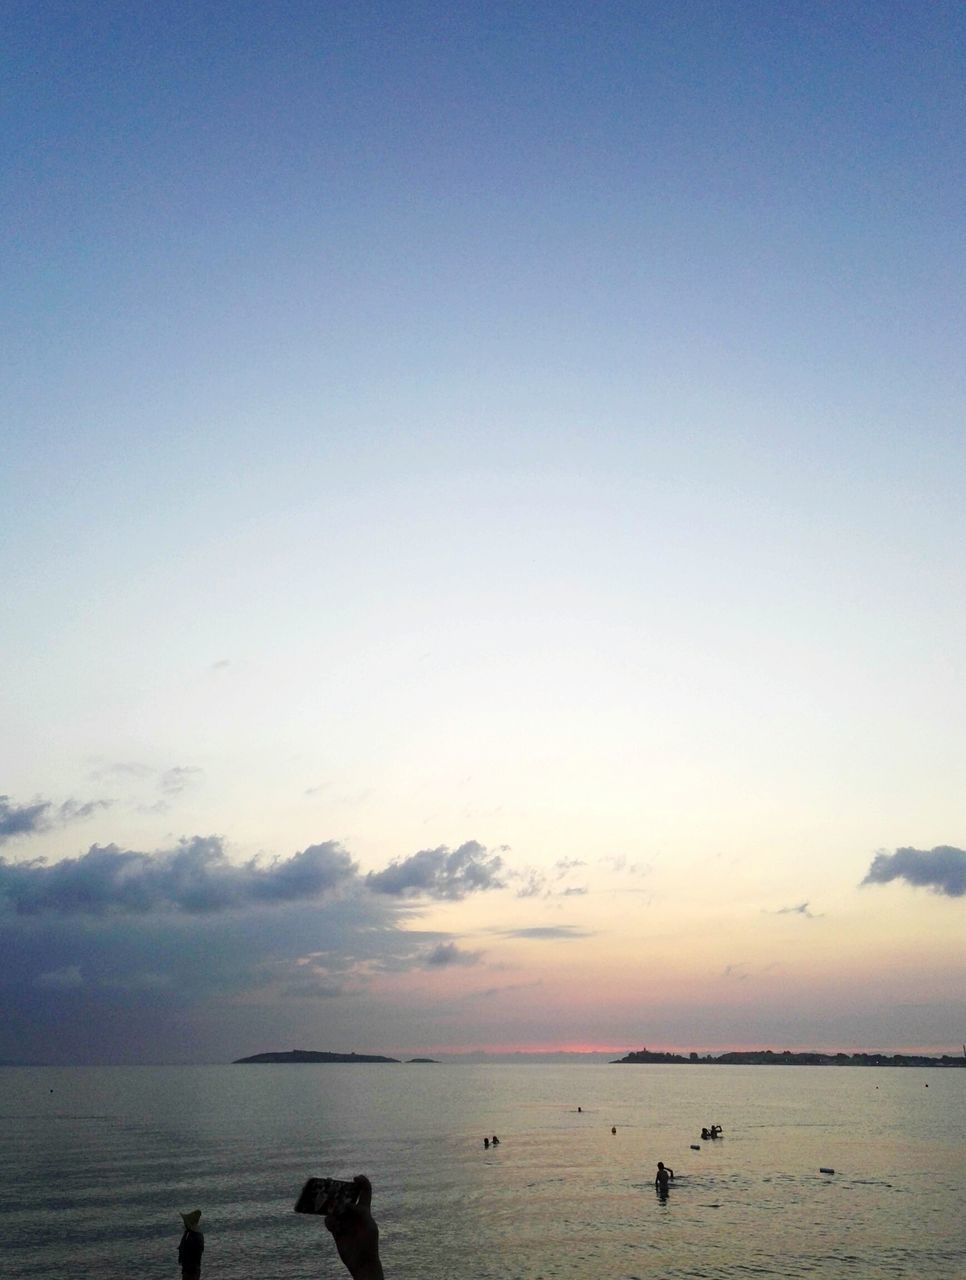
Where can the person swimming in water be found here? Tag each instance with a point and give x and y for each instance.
(663, 1178)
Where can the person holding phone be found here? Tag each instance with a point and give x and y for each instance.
(355, 1233)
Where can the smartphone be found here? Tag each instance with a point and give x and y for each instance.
(326, 1195)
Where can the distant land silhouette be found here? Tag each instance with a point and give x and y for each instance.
(311, 1055)
(768, 1058)
(738, 1058)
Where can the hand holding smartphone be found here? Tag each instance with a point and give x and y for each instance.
(327, 1196)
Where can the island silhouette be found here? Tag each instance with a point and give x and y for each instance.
(312, 1055)
(736, 1058)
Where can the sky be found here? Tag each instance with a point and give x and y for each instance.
(482, 528)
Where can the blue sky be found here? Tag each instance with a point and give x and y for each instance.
(532, 429)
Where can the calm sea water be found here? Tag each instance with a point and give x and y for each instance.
(97, 1162)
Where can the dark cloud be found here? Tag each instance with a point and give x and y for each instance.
(800, 910)
(43, 815)
(116, 986)
(546, 931)
(440, 873)
(943, 869)
(121, 955)
(22, 820)
(314, 984)
(195, 877)
(445, 954)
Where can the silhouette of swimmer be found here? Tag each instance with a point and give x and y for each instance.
(486, 1143)
(613, 1128)
(580, 1108)
(495, 1140)
(705, 1134)
(663, 1178)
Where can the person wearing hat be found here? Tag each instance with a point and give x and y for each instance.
(192, 1246)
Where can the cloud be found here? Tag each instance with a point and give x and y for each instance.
(22, 820)
(445, 954)
(800, 910)
(488, 993)
(143, 980)
(618, 862)
(61, 979)
(195, 877)
(542, 932)
(534, 884)
(314, 984)
(122, 955)
(179, 778)
(43, 815)
(741, 970)
(159, 984)
(121, 770)
(440, 873)
(166, 785)
(943, 869)
(71, 811)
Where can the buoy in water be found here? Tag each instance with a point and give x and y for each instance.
(695, 1147)
(824, 1170)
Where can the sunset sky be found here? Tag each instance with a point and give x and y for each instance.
(483, 527)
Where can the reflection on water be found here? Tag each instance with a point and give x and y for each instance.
(97, 1163)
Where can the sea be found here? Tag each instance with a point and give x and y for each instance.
(97, 1163)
